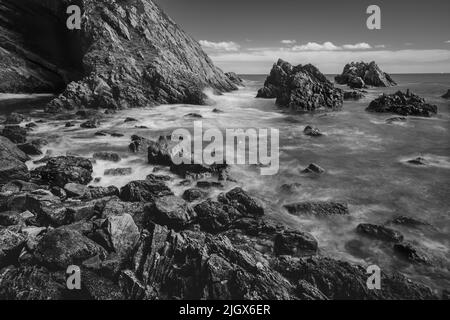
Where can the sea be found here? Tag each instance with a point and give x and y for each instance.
(364, 157)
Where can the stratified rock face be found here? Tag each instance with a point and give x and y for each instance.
(235, 78)
(405, 104)
(301, 88)
(361, 74)
(127, 54)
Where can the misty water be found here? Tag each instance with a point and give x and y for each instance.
(364, 158)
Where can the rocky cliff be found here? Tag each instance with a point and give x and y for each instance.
(301, 88)
(361, 74)
(127, 54)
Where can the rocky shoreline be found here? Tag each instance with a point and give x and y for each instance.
(143, 242)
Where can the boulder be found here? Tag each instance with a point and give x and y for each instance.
(14, 118)
(194, 194)
(170, 211)
(90, 124)
(65, 169)
(412, 253)
(295, 243)
(48, 208)
(129, 119)
(118, 172)
(115, 206)
(32, 148)
(419, 161)
(60, 248)
(301, 88)
(16, 186)
(123, 232)
(139, 144)
(12, 169)
(161, 152)
(193, 115)
(201, 171)
(317, 208)
(11, 243)
(405, 104)
(75, 190)
(379, 232)
(314, 168)
(359, 74)
(243, 202)
(353, 95)
(209, 184)
(313, 132)
(107, 156)
(144, 190)
(213, 216)
(16, 134)
(409, 221)
(10, 218)
(10, 150)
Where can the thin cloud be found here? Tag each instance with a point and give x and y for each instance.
(380, 46)
(357, 46)
(330, 46)
(288, 41)
(448, 41)
(220, 46)
(314, 46)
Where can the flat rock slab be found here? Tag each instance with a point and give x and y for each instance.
(318, 208)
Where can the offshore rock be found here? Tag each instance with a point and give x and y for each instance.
(405, 104)
(359, 74)
(301, 89)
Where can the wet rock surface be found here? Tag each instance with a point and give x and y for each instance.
(12, 162)
(61, 170)
(325, 208)
(361, 74)
(301, 89)
(379, 232)
(405, 104)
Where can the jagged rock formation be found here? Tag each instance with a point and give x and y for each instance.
(301, 88)
(235, 78)
(360, 74)
(405, 104)
(127, 54)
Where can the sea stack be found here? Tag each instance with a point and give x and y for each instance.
(301, 88)
(127, 54)
(359, 75)
(405, 104)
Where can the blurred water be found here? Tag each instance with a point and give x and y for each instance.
(364, 158)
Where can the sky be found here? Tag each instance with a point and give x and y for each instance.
(248, 36)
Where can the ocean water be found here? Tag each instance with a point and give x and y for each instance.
(364, 158)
